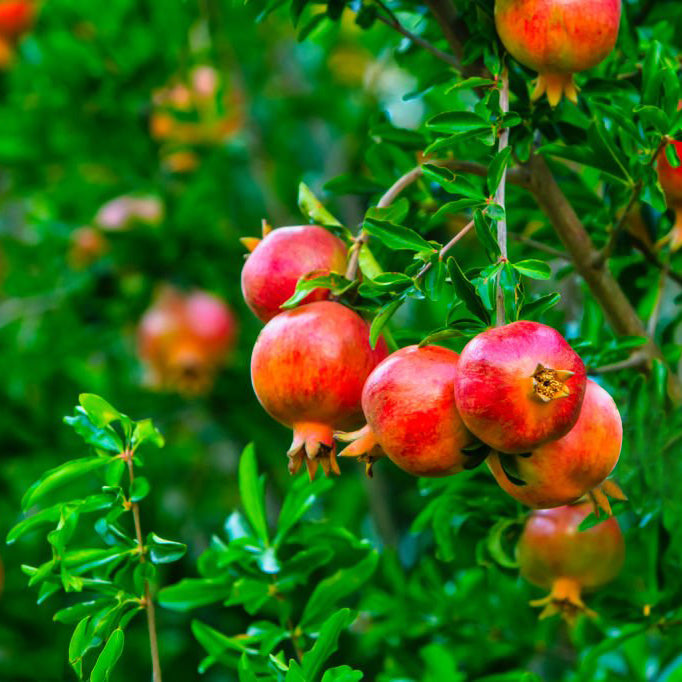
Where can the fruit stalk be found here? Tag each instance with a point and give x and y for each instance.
(148, 601)
(499, 197)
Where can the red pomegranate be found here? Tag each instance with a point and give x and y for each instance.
(184, 338)
(563, 470)
(281, 258)
(557, 38)
(671, 182)
(519, 386)
(308, 368)
(409, 406)
(16, 17)
(553, 554)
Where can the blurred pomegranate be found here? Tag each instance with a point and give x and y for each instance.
(16, 19)
(87, 246)
(184, 339)
(125, 211)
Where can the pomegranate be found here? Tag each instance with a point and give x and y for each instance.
(281, 258)
(411, 416)
(563, 470)
(519, 386)
(16, 18)
(125, 211)
(557, 38)
(671, 182)
(87, 246)
(183, 340)
(308, 368)
(552, 553)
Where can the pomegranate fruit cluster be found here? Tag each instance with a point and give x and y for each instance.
(16, 19)
(518, 394)
(183, 339)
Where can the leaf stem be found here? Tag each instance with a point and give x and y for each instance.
(500, 198)
(148, 601)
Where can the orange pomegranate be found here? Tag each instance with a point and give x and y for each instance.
(671, 182)
(553, 554)
(308, 368)
(563, 470)
(409, 404)
(557, 38)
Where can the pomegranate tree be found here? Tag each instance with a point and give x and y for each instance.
(563, 470)
(553, 554)
(671, 182)
(519, 386)
(281, 258)
(308, 368)
(183, 339)
(409, 406)
(557, 38)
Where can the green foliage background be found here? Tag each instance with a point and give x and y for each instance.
(444, 602)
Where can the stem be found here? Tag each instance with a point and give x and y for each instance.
(395, 24)
(499, 198)
(637, 359)
(533, 243)
(462, 233)
(655, 313)
(444, 13)
(149, 603)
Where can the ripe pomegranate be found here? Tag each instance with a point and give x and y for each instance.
(16, 18)
(519, 386)
(281, 258)
(308, 368)
(557, 38)
(671, 182)
(411, 415)
(563, 470)
(183, 340)
(125, 211)
(552, 553)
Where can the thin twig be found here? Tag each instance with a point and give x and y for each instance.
(499, 199)
(651, 256)
(149, 603)
(441, 254)
(396, 25)
(539, 246)
(637, 359)
(655, 313)
(606, 252)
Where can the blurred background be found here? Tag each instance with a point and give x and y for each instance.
(198, 121)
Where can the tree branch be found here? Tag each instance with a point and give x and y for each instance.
(445, 14)
(618, 310)
(500, 200)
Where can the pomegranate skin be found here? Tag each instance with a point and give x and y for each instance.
(557, 38)
(281, 258)
(563, 470)
(671, 182)
(519, 386)
(409, 405)
(308, 368)
(553, 554)
(183, 339)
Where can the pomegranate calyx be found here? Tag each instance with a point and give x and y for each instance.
(314, 444)
(363, 446)
(599, 497)
(555, 85)
(266, 227)
(549, 384)
(250, 242)
(564, 599)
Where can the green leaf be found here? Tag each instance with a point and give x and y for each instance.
(295, 674)
(191, 593)
(396, 237)
(105, 438)
(497, 168)
(534, 308)
(395, 213)
(81, 641)
(146, 432)
(108, 657)
(49, 515)
(496, 545)
(245, 671)
(99, 410)
(163, 551)
(333, 281)
(455, 207)
(216, 643)
(74, 613)
(535, 269)
(467, 292)
(672, 156)
(342, 673)
(473, 82)
(300, 498)
(485, 236)
(252, 493)
(381, 319)
(329, 591)
(139, 488)
(312, 24)
(60, 476)
(368, 264)
(458, 122)
(654, 117)
(434, 280)
(327, 643)
(311, 207)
